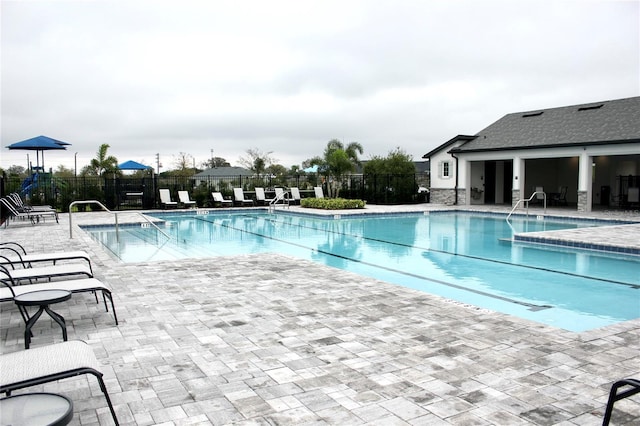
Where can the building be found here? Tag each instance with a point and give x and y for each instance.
(582, 155)
(221, 174)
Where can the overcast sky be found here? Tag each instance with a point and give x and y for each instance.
(285, 77)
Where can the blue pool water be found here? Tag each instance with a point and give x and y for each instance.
(460, 256)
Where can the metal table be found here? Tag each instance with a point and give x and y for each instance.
(36, 409)
(42, 299)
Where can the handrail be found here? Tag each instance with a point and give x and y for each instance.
(74, 203)
(544, 196)
(279, 197)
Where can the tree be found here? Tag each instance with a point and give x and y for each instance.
(337, 161)
(396, 162)
(62, 171)
(393, 176)
(257, 161)
(184, 164)
(102, 164)
(17, 171)
(215, 162)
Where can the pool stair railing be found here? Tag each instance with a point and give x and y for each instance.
(115, 214)
(526, 201)
(281, 197)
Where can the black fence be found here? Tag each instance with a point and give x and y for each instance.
(134, 192)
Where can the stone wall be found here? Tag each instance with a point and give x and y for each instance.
(443, 196)
(582, 201)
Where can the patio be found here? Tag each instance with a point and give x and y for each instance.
(269, 339)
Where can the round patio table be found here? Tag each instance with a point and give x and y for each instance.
(42, 299)
(36, 409)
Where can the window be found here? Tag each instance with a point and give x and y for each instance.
(444, 169)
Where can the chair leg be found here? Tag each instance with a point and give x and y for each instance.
(615, 396)
(106, 396)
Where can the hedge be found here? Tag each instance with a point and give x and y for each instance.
(332, 203)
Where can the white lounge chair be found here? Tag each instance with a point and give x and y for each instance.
(9, 289)
(165, 198)
(17, 253)
(318, 192)
(261, 198)
(295, 195)
(218, 198)
(50, 363)
(19, 275)
(238, 198)
(183, 196)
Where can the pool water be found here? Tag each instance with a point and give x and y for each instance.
(466, 257)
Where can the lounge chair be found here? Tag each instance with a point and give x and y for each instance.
(219, 199)
(238, 198)
(261, 198)
(10, 289)
(22, 207)
(295, 195)
(633, 195)
(165, 199)
(19, 275)
(17, 253)
(318, 192)
(559, 197)
(33, 216)
(183, 196)
(50, 363)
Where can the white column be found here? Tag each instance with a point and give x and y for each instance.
(518, 173)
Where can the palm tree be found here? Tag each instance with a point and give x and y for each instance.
(103, 163)
(338, 160)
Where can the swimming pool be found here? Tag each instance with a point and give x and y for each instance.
(461, 256)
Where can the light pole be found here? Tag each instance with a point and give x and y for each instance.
(75, 165)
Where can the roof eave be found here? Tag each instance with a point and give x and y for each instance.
(457, 138)
(562, 145)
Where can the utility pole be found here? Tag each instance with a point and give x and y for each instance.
(212, 164)
(158, 165)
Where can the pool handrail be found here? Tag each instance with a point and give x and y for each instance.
(527, 201)
(280, 197)
(115, 214)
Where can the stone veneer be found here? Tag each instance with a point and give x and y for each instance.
(582, 201)
(445, 196)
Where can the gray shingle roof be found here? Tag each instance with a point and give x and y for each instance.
(606, 122)
(225, 171)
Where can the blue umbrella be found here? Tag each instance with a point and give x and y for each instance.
(38, 144)
(133, 165)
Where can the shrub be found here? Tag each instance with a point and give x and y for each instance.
(332, 203)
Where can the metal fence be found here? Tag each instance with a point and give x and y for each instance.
(134, 192)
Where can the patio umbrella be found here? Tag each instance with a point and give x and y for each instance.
(133, 165)
(39, 144)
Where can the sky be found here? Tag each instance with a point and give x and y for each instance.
(285, 77)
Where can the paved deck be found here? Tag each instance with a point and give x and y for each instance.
(269, 339)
